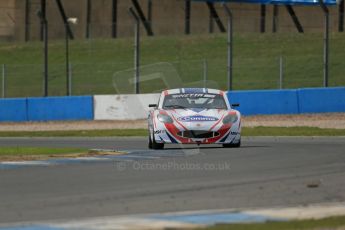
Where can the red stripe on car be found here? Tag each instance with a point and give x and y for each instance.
(217, 123)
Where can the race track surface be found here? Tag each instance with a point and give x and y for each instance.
(264, 172)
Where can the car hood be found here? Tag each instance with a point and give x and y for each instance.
(197, 119)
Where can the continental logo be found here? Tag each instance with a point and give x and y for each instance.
(197, 118)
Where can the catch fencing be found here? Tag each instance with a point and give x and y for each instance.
(268, 50)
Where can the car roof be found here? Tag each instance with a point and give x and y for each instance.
(193, 90)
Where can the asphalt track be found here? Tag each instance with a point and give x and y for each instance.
(265, 172)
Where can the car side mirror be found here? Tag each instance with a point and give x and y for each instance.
(235, 105)
(153, 105)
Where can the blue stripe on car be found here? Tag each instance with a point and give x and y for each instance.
(224, 138)
(171, 138)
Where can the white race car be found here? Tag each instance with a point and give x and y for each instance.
(194, 116)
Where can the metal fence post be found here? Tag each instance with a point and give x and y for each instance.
(205, 72)
(45, 58)
(275, 18)
(68, 92)
(230, 39)
(136, 50)
(3, 80)
(187, 18)
(281, 72)
(88, 18)
(70, 79)
(325, 43)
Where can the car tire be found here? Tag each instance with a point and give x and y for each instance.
(150, 142)
(237, 145)
(154, 144)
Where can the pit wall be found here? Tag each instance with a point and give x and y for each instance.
(132, 107)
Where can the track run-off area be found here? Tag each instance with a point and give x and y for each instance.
(265, 172)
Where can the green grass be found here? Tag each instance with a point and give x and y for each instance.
(291, 131)
(327, 223)
(256, 131)
(96, 62)
(78, 133)
(18, 151)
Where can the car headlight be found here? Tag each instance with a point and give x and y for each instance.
(165, 118)
(231, 118)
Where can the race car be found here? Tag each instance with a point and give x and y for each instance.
(194, 116)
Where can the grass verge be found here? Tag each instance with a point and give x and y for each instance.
(246, 131)
(78, 133)
(291, 131)
(17, 151)
(95, 62)
(327, 223)
(43, 153)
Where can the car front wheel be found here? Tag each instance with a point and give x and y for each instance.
(150, 142)
(237, 145)
(154, 145)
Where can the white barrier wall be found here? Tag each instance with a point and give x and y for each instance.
(123, 107)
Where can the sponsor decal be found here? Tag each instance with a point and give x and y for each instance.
(193, 95)
(159, 131)
(234, 133)
(197, 118)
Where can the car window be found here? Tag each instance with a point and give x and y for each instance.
(206, 101)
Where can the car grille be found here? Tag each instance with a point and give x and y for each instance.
(198, 134)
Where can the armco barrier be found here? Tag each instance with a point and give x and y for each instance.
(265, 101)
(60, 108)
(123, 107)
(13, 110)
(130, 107)
(321, 100)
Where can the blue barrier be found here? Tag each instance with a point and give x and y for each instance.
(60, 108)
(13, 109)
(265, 101)
(309, 100)
(313, 100)
(321, 100)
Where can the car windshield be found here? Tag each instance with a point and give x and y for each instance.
(187, 101)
